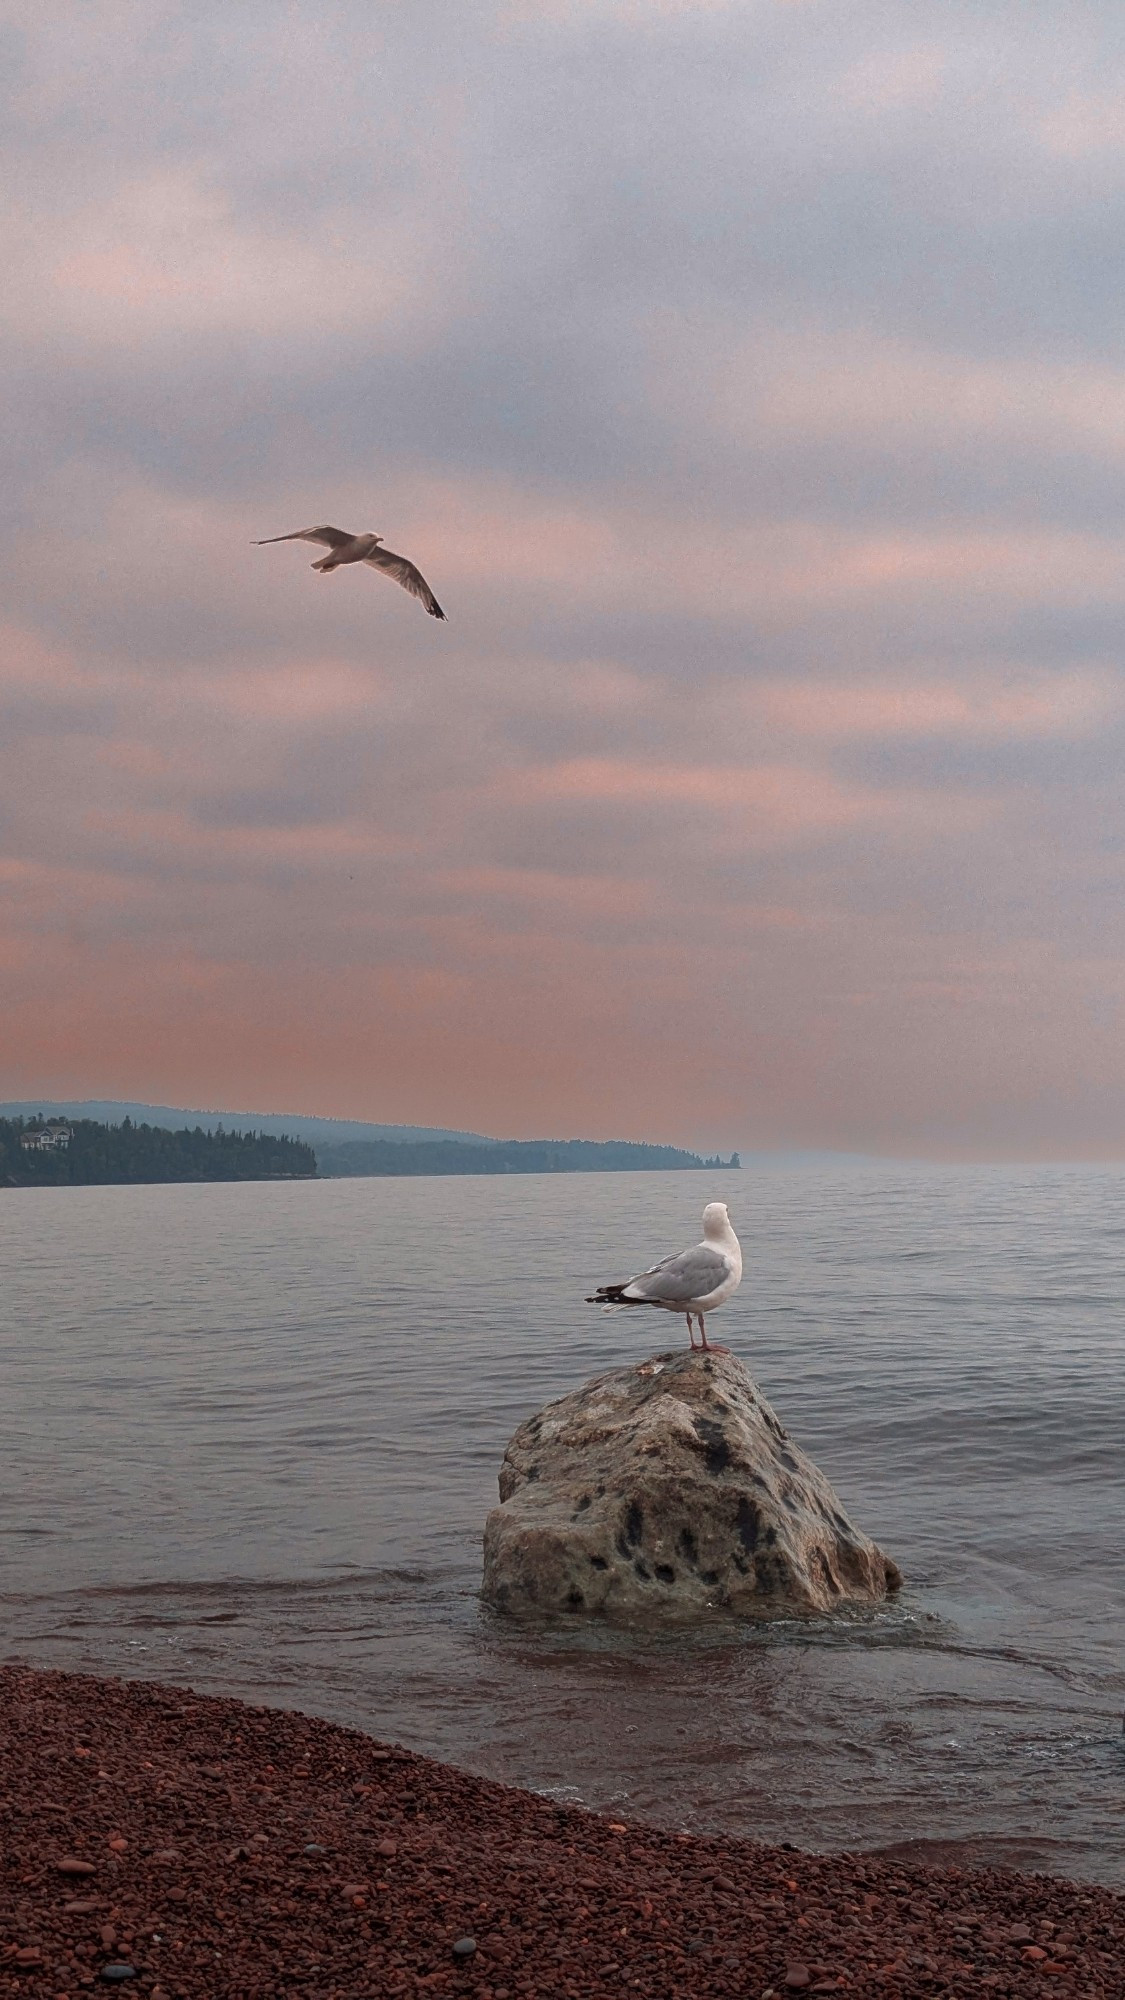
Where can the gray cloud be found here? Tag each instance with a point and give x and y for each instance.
(747, 381)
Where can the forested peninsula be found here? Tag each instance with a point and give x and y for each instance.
(52, 1149)
(507, 1156)
(82, 1153)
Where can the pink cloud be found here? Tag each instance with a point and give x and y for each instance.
(772, 805)
(167, 255)
(1063, 706)
(1085, 125)
(894, 79)
(856, 385)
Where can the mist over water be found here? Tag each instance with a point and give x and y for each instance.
(249, 1435)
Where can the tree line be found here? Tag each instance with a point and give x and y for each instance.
(127, 1153)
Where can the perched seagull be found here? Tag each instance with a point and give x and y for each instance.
(695, 1282)
(345, 548)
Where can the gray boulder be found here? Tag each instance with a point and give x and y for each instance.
(669, 1493)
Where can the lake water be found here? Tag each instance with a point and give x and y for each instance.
(249, 1435)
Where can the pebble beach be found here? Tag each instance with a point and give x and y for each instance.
(197, 1848)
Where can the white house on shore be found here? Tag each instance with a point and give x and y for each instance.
(49, 1138)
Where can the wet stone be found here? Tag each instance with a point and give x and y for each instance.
(703, 1507)
(464, 1947)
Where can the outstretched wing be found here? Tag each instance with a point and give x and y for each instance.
(691, 1275)
(405, 573)
(333, 538)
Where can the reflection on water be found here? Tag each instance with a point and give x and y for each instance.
(250, 1435)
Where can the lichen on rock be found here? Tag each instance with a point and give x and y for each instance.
(668, 1493)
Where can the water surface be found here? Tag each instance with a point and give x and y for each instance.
(249, 1435)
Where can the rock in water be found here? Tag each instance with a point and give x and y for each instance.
(670, 1492)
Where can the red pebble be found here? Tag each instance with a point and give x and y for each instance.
(70, 1865)
(639, 1917)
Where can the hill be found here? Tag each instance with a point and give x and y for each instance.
(293, 1125)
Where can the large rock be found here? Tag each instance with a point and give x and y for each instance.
(670, 1492)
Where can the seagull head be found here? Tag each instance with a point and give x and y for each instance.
(716, 1221)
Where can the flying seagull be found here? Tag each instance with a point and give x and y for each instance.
(695, 1282)
(345, 548)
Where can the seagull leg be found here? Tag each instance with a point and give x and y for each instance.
(709, 1346)
(690, 1332)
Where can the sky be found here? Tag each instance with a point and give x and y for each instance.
(748, 381)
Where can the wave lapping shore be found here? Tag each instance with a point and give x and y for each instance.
(193, 1848)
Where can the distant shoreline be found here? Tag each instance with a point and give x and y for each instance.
(61, 1145)
(395, 1159)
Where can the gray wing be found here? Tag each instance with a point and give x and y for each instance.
(405, 573)
(333, 538)
(691, 1275)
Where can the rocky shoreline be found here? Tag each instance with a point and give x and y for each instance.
(192, 1848)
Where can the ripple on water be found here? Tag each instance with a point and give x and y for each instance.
(259, 1428)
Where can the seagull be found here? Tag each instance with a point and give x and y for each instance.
(694, 1282)
(345, 548)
